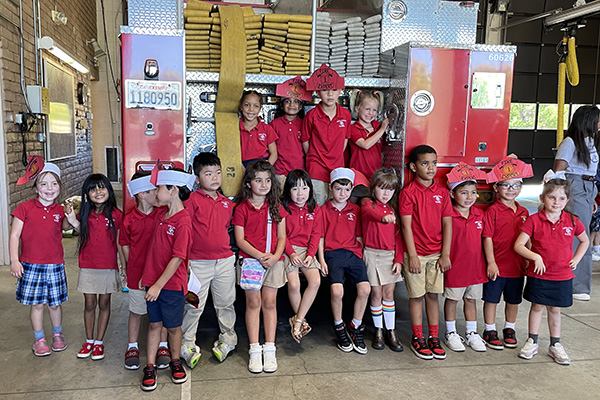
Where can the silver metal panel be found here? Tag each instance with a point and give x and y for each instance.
(263, 79)
(418, 24)
(456, 23)
(151, 31)
(166, 14)
(461, 46)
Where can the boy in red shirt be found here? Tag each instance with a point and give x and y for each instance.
(426, 217)
(325, 130)
(343, 256)
(211, 259)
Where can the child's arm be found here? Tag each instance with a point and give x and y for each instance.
(444, 262)
(305, 147)
(272, 153)
(414, 265)
(244, 245)
(71, 218)
(582, 247)
(492, 267)
(16, 268)
(371, 141)
(154, 290)
(269, 260)
(523, 251)
(321, 257)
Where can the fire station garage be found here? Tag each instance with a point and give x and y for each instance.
(430, 156)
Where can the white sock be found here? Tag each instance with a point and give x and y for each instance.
(471, 326)
(269, 345)
(389, 314)
(596, 248)
(163, 344)
(376, 313)
(132, 345)
(450, 326)
(254, 345)
(490, 327)
(98, 342)
(336, 323)
(510, 325)
(356, 322)
(91, 341)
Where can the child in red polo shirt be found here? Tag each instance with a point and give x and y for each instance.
(466, 277)
(134, 239)
(505, 268)
(165, 272)
(38, 224)
(257, 138)
(325, 130)
(259, 229)
(343, 257)
(550, 274)
(365, 138)
(426, 216)
(304, 231)
(383, 254)
(211, 260)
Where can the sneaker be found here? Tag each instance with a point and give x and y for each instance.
(454, 341)
(269, 358)
(191, 355)
(58, 342)
(420, 348)
(436, 348)
(558, 353)
(40, 348)
(86, 350)
(581, 296)
(510, 338)
(529, 349)
(255, 363)
(595, 256)
(492, 341)
(358, 339)
(132, 358)
(475, 341)
(149, 379)
(178, 374)
(222, 350)
(98, 352)
(343, 340)
(163, 358)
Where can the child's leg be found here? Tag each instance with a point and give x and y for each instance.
(489, 313)
(376, 307)
(432, 307)
(36, 315)
(269, 310)
(164, 335)
(222, 287)
(204, 271)
(554, 321)
(294, 290)
(103, 315)
(337, 294)
(174, 335)
(535, 318)
(470, 309)
(253, 305)
(133, 326)
(450, 314)
(56, 318)
(153, 341)
(363, 289)
(415, 309)
(89, 314)
(510, 311)
(313, 277)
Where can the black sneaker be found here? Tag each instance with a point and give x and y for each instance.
(149, 379)
(343, 340)
(420, 348)
(492, 340)
(510, 338)
(357, 337)
(177, 372)
(436, 348)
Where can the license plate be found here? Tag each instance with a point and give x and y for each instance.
(160, 95)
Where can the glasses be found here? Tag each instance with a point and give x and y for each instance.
(514, 186)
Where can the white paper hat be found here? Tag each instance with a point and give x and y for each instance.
(50, 167)
(140, 185)
(341, 173)
(177, 178)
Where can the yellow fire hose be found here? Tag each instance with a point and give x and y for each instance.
(566, 66)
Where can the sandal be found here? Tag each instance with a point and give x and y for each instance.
(305, 328)
(297, 334)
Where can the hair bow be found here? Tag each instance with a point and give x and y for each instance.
(554, 175)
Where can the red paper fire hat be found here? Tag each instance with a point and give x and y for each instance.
(324, 78)
(509, 168)
(294, 88)
(463, 173)
(35, 166)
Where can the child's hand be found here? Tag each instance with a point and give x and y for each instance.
(16, 269)
(414, 265)
(307, 261)
(492, 271)
(573, 264)
(444, 264)
(152, 293)
(538, 266)
(324, 268)
(396, 268)
(389, 219)
(268, 260)
(295, 259)
(384, 124)
(68, 208)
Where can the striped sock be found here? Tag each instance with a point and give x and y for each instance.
(376, 313)
(389, 314)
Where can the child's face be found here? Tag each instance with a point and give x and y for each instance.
(250, 107)
(367, 112)
(291, 107)
(47, 188)
(508, 190)
(329, 98)
(426, 166)
(383, 195)
(210, 178)
(164, 195)
(555, 201)
(341, 193)
(299, 193)
(98, 195)
(261, 184)
(465, 196)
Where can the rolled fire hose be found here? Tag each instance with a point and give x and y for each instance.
(567, 67)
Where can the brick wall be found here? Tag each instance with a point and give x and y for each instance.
(81, 26)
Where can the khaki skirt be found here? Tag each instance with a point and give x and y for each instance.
(379, 266)
(98, 281)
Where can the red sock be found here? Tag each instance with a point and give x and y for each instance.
(417, 331)
(433, 330)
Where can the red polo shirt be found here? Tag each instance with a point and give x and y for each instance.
(254, 222)
(554, 242)
(303, 229)
(427, 206)
(503, 225)
(210, 223)
(172, 238)
(326, 140)
(466, 253)
(290, 155)
(100, 251)
(365, 161)
(341, 228)
(378, 235)
(41, 237)
(136, 233)
(255, 142)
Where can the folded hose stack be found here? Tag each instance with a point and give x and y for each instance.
(285, 45)
(202, 37)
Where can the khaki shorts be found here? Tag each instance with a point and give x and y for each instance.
(474, 292)
(301, 251)
(274, 277)
(320, 191)
(137, 302)
(98, 281)
(430, 280)
(379, 266)
(281, 179)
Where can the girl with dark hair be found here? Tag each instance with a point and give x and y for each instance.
(257, 139)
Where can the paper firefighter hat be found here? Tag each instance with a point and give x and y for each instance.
(294, 88)
(509, 168)
(324, 78)
(176, 178)
(140, 185)
(360, 178)
(464, 173)
(36, 166)
(341, 173)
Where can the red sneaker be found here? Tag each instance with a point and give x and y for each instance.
(492, 340)
(510, 338)
(420, 348)
(98, 352)
(86, 350)
(436, 348)
(163, 358)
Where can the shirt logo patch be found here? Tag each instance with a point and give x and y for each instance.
(342, 123)
(437, 198)
(524, 218)
(568, 230)
(479, 224)
(310, 217)
(225, 204)
(56, 217)
(262, 137)
(171, 230)
(351, 216)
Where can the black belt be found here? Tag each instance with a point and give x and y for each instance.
(587, 177)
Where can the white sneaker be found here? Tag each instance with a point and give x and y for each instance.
(558, 353)
(255, 364)
(191, 355)
(475, 341)
(221, 350)
(270, 359)
(529, 349)
(454, 341)
(595, 256)
(581, 296)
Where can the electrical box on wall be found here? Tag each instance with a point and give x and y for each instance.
(39, 99)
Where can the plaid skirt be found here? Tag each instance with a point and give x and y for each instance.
(42, 283)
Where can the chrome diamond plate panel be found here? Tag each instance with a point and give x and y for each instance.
(456, 23)
(201, 76)
(165, 14)
(151, 31)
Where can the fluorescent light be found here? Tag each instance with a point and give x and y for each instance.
(48, 43)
